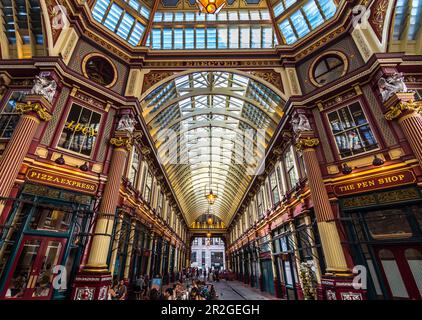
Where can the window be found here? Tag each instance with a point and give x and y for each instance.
(351, 130)
(148, 186)
(8, 117)
(291, 173)
(160, 203)
(387, 224)
(417, 211)
(80, 131)
(328, 68)
(274, 188)
(260, 202)
(100, 70)
(134, 167)
(280, 178)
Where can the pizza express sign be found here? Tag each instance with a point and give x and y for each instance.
(61, 181)
(372, 183)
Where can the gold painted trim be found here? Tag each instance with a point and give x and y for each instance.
(395, 111)
(306, 143)
(37, 108)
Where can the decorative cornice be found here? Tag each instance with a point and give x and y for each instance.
(396, 110)
(35, 107)
(305, 143)
(119, 142)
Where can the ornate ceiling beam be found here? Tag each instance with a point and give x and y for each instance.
(150, 23)
(149, 116)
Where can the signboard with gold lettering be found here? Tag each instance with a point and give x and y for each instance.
(61, 181)
(375, 182)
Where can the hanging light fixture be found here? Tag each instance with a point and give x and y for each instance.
(208, 234)
(210, 6)
(211, 197)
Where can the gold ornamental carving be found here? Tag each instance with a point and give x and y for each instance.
(37, 108)
(119, 142)
(307, 143)
(401, 107)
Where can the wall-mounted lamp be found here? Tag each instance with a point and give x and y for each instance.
(60, 160)
(346, 169)
(84, 167)
(377, 161)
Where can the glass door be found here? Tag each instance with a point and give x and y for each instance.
(32, 273)
(401, 268)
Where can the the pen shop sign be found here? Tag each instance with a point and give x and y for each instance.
(61, 181)
(376, 182)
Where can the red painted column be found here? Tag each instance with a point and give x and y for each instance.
(401, 107)
(337, 280)
(34, 110)
(95, 278)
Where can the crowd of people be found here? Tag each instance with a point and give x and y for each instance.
(192, 284)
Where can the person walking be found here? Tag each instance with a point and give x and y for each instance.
(121, 293)
(138, 287)
(145, 287)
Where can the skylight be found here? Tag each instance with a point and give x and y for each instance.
(295, 20)
(122, 21)
(234, 29)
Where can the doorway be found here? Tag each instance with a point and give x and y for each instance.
(267, 276)
(32, 272)
(401, 270)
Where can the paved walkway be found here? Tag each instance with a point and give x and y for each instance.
(235, 290)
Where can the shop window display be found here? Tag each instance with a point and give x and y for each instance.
(390, 223)
(80, 131)
(8, 117)
(351, 130)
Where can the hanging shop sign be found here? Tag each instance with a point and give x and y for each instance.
(374, 182)
(61, 181)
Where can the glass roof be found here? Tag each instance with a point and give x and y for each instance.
(296, 19)
(242, 26)
(211, 130)
(403, 7)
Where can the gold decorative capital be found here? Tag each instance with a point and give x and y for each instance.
(396, 110)
(304, 143)
(119, 142)
(36, 107)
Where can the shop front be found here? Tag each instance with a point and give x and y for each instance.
(384, 230)
(286, 266)
(43, 239)
(140, 251)
(267, 275)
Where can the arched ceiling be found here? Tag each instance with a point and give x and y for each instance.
(211, 130)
